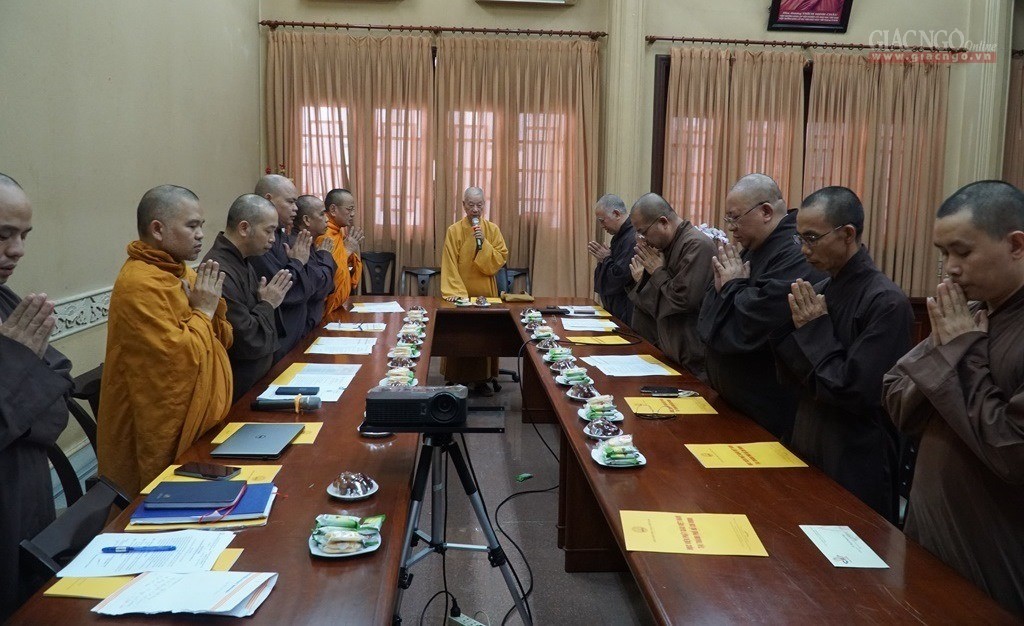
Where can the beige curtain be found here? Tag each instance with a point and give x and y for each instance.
(519, 119)
(356, 112)
(730, 114)
(1013, 155)
(879, 129)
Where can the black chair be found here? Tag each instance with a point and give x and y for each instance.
(55, 546)
(378, 267)
(87, 387)
(422, 275)
(506, 278)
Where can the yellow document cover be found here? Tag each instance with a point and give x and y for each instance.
(744, 455)
(671, 406)
(611, 340)
(690, 533)
(250, 473)
(308, 435)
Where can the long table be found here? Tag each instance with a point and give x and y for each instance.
(795, 584)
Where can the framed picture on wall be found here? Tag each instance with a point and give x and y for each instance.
(819, 15)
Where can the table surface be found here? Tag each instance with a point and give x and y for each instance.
(794, 584)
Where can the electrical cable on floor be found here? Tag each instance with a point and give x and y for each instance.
(519, 375)
(429, 602)
(497, 523)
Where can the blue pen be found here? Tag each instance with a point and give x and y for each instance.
(127, 549)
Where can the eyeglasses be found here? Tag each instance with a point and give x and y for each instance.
(812, 240)
(732, 220)
(643, 233)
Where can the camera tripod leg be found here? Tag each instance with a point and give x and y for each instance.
(419, 485)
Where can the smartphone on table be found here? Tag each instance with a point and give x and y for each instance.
(208, 471)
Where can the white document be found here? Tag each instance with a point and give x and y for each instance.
(377, 307)
(195, 551)
(629, 365)
(597, 325)
(348, 327)
(342, 345)
(843, 547)
(332, 379)
(238, 594)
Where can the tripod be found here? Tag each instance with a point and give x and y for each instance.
(431, 462)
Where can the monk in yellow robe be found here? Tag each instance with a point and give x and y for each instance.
(347, 238)
(473, 254)
(167, 377)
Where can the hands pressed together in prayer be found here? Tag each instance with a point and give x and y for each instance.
(303, 243)
(354, 240)
(650, 257)
(273, 292)
(805, 304)
(636, 269)
(728, 265)
(204, 295)
(31, 323)
(598, 250)
(950, 316)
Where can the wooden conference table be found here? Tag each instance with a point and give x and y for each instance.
(795, 584)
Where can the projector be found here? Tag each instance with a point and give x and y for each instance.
(416, 407)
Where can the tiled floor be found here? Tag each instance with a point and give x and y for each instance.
(558, 597)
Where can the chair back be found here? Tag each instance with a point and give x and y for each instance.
(422, 276)
(506, 279)
(66, 474)
(378, 273)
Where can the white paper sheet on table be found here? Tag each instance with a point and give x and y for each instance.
(377, 307)
(195, 551)
(342, 345)
(349, 327)
(630, 365)
(842, 547)
(331, 378)
(238, 594)
(597, 325)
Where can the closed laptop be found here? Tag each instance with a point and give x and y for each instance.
(258, 441)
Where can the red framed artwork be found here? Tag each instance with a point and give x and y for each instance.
(817, 15)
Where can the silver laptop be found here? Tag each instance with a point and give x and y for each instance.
(258, 441)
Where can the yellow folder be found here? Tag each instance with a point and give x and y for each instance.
(690, 533)
(744, 455)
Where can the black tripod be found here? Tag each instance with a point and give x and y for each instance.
(431, 462)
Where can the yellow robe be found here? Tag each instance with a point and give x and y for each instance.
(465, 272)
(166, 378)
(345, 282)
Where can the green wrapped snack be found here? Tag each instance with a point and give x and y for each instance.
(350, 522)
(372, 523)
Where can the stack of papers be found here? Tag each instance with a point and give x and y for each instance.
(251, 474)
(194, 551)
(331, 378)
(342, 345)
(608, 340)
(630, 365)
(348, 327)
(255, 503)
(377, 307)
(596, 325)
(238, 594)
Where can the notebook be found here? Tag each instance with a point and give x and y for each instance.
(254, 504)
(261, 441)
(214, 494)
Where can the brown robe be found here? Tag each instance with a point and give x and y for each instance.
(966, 401)
(667, 302)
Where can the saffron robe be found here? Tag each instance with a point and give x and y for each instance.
(167, 378)
(467, 272)
(346, 276)
(965, 400)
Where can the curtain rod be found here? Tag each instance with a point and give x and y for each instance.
(799, 44)
(437, 30)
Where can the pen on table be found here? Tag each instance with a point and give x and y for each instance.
(127, 549)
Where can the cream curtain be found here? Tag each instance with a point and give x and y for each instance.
(357, 112)
(879, 129)
(519, 119)
(1013, 154)
(730, 114)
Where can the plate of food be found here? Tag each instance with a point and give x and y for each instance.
(413, 320)
(596, 454)
(601, 429)
(410, 340)
(557, 354)
(334, 543)
(614, 416)
(558, 366)
(352, 486)
(574, 376)
(481, 301)
(582, 393)
(618, 452)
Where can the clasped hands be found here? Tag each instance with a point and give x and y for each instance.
(598, 250)
(728, 265)
(949, 315)
(204, 295)
(353, 240)
(31, 323)
(805, 304)
(303, 244)
(647, 259)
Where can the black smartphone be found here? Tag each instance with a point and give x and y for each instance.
(209, 471)
(659, 389)
(297, 391)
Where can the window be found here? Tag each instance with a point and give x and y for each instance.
(690, 139)
(473, 134)
(399, 159)
(325, 151)
(541, 160)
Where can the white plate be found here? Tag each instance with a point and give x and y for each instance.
(554, 367)
(371, 435)
(586, 431)
(383, 383)
(316, 551)
(414, 355)
(562, 381)
(617, 417)
(411, 321)
(568, 358)
(422, 335)
(597, 456)
(484, 304)
(526, 321)
(418, 342)
(463, 303)
(535, 337)
(334, 493)
(577, 398)
(393, 365)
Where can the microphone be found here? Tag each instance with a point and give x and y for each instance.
(479, 237)
(298, 404)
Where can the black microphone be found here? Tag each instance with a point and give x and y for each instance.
(306, 404)
(479, 237)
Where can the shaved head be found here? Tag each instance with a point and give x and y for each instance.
(611, 202)
(337, 196)
(251, 208)
(473, 192)
(308, 205)
(15, 224)
(159, 203)
(840, 205)
(273, 184)
(7, 181)
(996, 207)
(651, 206)
(760, 188)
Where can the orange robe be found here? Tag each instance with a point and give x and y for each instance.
(166, 378)
(345, 281)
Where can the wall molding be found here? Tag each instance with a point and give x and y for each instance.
(79, 312)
